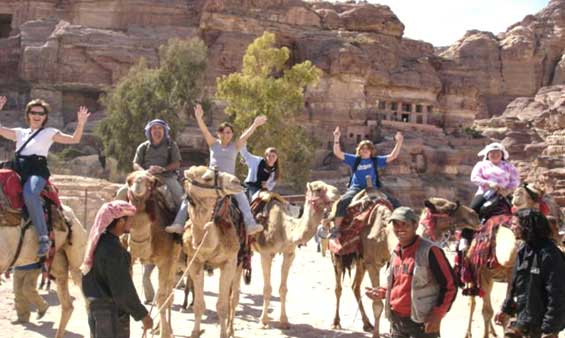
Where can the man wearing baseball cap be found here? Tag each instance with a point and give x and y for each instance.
(420, 285)
(106, 281)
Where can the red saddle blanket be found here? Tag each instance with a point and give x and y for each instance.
(11, 186)
(354, 222)
(482, 254)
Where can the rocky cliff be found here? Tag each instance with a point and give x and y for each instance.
(374, 80)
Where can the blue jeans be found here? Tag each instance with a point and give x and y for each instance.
(32, 190)
(182, 214)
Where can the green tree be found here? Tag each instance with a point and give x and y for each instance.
(267, 85)
(165, 92)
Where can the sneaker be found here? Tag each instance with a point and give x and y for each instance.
(44, 246)
(175, 229)
(41, 313)
(253, 229)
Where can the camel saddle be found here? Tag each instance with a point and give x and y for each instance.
(358, 217)
(481, 255)
(11, 198)
(262, 204)
(227, 214)
(12, 208)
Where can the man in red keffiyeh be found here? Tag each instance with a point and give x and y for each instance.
(106, 281)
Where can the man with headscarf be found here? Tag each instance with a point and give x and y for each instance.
(106, 281)
(537, 293)
(160, 156)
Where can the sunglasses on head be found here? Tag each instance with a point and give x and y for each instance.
(40, 113)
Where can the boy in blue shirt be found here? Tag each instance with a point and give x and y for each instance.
(363, 163)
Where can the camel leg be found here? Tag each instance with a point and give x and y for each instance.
(374, 272)
(227, 273)
(488, 312)
(357, 280)
(60, 270)
(166, 277)
(266, 263)
(234, 300)
(338, 273)
(472, 304)
(288, 258)
(197, 276)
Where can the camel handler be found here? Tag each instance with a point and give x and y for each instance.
(106, 281)
(25, 292)
(421, 283)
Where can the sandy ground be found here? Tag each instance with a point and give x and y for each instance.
(311, 306)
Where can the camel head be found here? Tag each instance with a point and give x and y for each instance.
(442, 215)
(203, 182)
(526, 196)
(140, 185)
(320, 195)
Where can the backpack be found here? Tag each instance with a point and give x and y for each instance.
(169, 150)
(356, 164)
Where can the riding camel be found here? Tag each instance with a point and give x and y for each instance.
(148, 240)
(378, 241)
(70, 244)
(283, 233)
(505, 248)
(210, 243)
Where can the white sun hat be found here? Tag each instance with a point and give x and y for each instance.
(491, 147)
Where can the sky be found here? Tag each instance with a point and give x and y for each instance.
(442, 22)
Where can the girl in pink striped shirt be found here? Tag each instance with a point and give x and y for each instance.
(494, 174)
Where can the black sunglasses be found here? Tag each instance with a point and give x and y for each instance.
(40, 113)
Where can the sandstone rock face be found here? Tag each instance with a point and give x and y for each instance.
(374, 80)
(533, 130)
(517, 62)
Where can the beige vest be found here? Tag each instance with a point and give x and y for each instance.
(425, 289)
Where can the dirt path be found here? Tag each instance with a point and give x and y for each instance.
(310, 307)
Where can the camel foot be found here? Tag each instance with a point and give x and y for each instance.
(197, 334)
(368, 327)
(284, 325)
(336, 326)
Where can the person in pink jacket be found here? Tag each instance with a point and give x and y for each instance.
(493, 175)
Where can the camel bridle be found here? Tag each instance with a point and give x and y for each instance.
(431, 227)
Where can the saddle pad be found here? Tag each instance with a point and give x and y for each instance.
(355, 221)
(482, 253)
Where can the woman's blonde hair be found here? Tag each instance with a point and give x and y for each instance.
(38, 103)
(363, 144)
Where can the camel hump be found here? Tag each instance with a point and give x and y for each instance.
(506, 245)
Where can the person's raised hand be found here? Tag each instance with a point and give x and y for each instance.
(337, 133)
(260, 120)
(198, 111)
(398, 137)
(82, 115)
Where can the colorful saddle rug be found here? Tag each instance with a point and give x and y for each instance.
(481, 255)
(355, 221)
